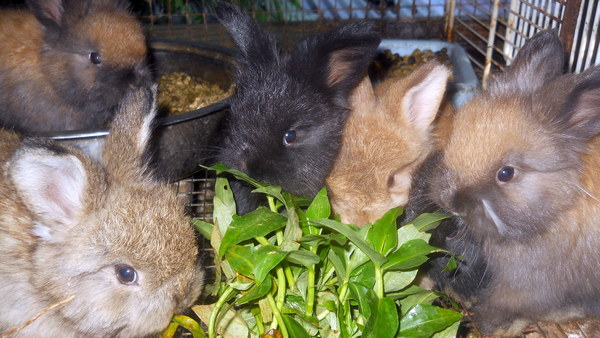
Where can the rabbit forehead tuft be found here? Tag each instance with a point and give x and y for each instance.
(118, 37)
(147, 227)
(487, 133)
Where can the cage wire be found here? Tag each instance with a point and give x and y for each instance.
(495, 30)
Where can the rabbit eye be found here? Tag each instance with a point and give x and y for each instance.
(126, 274)
(506, 174)
(289, 137)
(95, 58)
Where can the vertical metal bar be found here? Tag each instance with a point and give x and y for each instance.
(569, 24)
(490, 43)
(450, 19)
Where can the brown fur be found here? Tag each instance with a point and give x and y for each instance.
(66, 222)
(385, 140)
(47, 81)
(538, 233)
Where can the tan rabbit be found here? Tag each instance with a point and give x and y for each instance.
(388, 135)
(521, 169)
(106, 234)
(66, 64)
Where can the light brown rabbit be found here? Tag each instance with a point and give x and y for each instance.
(66, 64)
(388, 135)
(521, 168)
(106, 234)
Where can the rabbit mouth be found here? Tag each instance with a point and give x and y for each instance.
(491, 214)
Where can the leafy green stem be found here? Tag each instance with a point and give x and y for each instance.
(310, 291)
(379, 282)
(278, 318)
(215, 312)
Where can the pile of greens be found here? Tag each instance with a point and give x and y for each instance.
(292, 270)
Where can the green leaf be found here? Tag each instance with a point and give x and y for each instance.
(303, 257)
(204, 228)
(294, 329)
(383, 232)
(415, 295)
(338, 262)
(428, 221)
(292, 232)
(190, 324)
(316, 240)
(241, 258)
(451, 265)
(383, 321)
(360, 293)
(267, 257)
(449, 332)
(256, 291)
(394, 281)
(425, 320)
(320, 207)
(409, 255)
(230, 324)
(223, 204)
(259, 222)
(409, 232)
(364, 274)
(353, 236)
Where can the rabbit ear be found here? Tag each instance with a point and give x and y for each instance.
(361, 95)
(125, 147)
(256, 45)
(51, 182)
(580, 117)
(423, 94)
(48, 12)
(539, 61)
(337, 59)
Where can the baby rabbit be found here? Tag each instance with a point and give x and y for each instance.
(66, 64)
(521, 168)
(106, 234)
(290, 107)
(388, 135)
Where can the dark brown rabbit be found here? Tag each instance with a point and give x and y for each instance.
(388, 135)
(521, 169)
(66, 64)
(105, 237)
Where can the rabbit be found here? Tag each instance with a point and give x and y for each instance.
(106, 233)
(520, 169)
(66, 64)
(388, 135)
(289, 109)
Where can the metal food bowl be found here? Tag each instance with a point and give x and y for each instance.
(181, 142)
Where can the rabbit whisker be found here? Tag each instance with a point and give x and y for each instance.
(588, 193)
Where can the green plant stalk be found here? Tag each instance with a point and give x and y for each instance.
(280, 288)
(262, 240)
(343, 292)
(289, 275)
(278, 318)
(272, 206)
(215, 312)
(379, 282)
(259, 322)
(310, 291)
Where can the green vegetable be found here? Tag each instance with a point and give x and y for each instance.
(292, 270)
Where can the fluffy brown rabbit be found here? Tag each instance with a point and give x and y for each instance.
(521, 169)
(66, 64)
(388, 135)
(106, 234)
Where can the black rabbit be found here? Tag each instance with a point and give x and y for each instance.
(290, 107)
